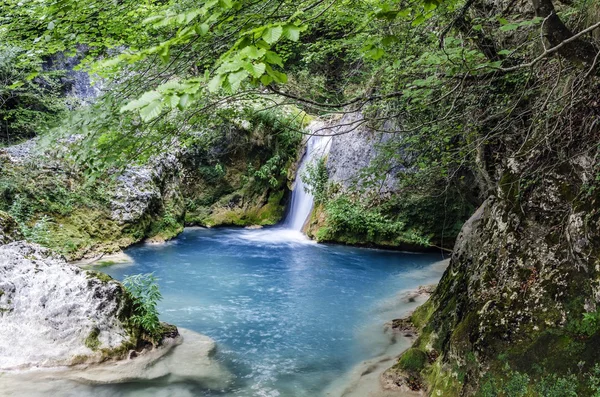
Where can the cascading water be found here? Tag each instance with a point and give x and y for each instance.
(302, 201)
(290, 230)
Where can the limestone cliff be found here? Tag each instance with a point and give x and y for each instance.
(366, 200)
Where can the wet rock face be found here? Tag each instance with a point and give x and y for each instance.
(53, 313)
(9, 229)
(356, 147)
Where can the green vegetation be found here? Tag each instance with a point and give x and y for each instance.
(403, 219)
(514, 383)
(92, 342)
(246, 188)
(30, 102)
(144, 291)
(105, 278)
(412, 360)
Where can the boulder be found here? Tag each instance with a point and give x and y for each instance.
(53, 313)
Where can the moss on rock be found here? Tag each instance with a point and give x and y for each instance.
(413, 360)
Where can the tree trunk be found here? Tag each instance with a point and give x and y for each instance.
(555, 32)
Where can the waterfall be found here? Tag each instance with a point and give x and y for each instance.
(290, 230)
(302, 201)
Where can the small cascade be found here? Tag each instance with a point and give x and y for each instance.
(302, 201)
(290, 230)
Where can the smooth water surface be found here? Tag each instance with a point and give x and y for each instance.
(289, 316)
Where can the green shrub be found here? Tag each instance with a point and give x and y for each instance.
(347, 217)
(557, 386)
(316, 180)
(516, 385)
(593, 380)
(143, 288)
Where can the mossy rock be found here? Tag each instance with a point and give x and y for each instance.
(92, 342)
(103, 277)
(412, 360)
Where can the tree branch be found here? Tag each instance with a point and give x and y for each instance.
(552, 50)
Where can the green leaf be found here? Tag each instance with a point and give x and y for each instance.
(278, 77)
(144, 100)
(292, 32)
(256, 70)
(153, 19)
(215, 83)
(404, 12)
(231, 66)
(170, 85)
(266, 79)
(418, 20)
(509, 26)
(164, 54)
(263, 44)
(251, 52)
(173, 100)
(16, 84)
(201, 29)
(151, 111)
(375, 53)
(273, 58)
(227, 4)
(183, 101)
(235, 79)
(272, 34)
(429, 6)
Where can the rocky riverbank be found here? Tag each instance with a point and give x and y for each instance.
(371, 377)
(187, 357)
(357, 203)
(56, 314)
(56, 204)
(61, 326)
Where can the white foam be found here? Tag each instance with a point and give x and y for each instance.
(275, 236)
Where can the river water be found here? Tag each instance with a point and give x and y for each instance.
(290, 317)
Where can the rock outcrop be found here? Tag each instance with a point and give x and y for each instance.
(53, 313)
(355, 148)
(180, 361)
(367, 169)
(520, 301)
(235, 175)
